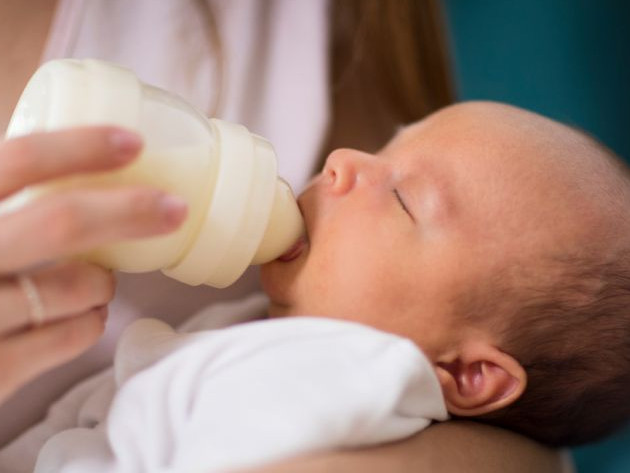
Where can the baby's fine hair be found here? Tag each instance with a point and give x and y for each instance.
(571, 333)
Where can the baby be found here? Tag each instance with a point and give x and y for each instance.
(498, 241)
(494, 239)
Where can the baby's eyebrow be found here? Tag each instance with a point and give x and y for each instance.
(433, 199)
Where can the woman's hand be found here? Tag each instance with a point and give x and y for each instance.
(68, 297)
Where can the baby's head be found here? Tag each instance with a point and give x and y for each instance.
(497, 240)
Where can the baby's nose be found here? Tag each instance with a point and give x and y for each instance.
(340, 170)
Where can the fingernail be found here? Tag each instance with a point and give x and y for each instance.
(126, 143)
(174, 208)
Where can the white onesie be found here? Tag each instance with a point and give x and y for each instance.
(245, 395)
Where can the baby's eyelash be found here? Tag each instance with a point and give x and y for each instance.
(402, 204)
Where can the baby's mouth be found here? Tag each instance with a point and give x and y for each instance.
(295, 251)
(298, 247)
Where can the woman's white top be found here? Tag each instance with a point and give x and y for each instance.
(263, 64)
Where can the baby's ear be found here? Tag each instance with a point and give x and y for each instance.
(479, 379)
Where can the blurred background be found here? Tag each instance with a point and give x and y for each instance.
(568, 59)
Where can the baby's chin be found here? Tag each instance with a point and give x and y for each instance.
(278, 294)
(275, 283)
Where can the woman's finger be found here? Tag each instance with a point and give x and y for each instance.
(23, 356)
(39, 157)
(61, 290)
(74, 221)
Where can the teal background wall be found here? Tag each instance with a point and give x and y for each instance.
(567, 59)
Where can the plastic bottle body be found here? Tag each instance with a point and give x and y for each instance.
(196, 169)
(226, 175)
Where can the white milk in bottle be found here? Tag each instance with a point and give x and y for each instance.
(227, 175)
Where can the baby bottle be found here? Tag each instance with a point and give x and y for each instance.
(239, 211)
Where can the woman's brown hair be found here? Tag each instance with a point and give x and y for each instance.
(390, 66)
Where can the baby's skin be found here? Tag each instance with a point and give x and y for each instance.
(393, 238)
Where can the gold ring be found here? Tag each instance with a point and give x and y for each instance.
(34, 299)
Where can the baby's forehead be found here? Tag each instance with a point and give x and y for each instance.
(504, 135)
(508, 163)
(487, 119)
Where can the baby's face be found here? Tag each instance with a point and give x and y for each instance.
(393, 238)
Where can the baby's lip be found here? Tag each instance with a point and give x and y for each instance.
(294, 251)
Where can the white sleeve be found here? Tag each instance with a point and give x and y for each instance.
(87, 403)
(84, 404)
(256, 393)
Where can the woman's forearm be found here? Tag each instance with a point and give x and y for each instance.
(447, 447)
